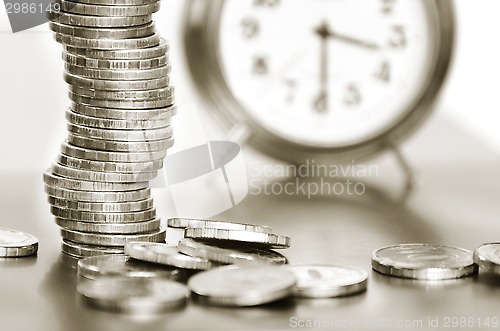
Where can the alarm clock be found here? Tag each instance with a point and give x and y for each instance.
(329, 80)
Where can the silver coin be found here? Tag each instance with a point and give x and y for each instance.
(230, 254)
(95, 176)
(487, 256)
(214, 224)
(122, 265)
(117, 85)
(167, 255)
(326, 281)
(98, 21)
(120, 167)
(108, 11)
(99, 207)
(117, 2)
(123, 114)
(145, 95)
(123, 104)
(107, 44)
(79, 185)
(80, 251)
(242, 286)
(115, 64)
(94, 33)
(106, 156)
(121, 135)
(129, 54)
(110, 228)
(268, 240)
(16, 243)
(103, 123)
(424, 261)
(134, 295)
(122, 146)
(100, 239)
(100, 197)
(129, 74)
(96, 217)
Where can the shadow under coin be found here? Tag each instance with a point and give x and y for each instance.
(18, 262)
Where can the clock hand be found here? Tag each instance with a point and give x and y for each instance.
(321, 101)
(354, 41)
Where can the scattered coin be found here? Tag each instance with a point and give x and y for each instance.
(122, 265)
(487, 256)
(242, 286)
(230, 254)
(17, 244)
(134, 295)
(268, 240)
(325, 281)
(424, 261)
(167, 255)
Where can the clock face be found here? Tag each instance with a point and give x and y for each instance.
(327, 73)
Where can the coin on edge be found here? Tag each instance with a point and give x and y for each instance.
(327, 281)
(424, 261)
(487, 256)
(242, 286)
(133, 295)
(164, 254)
(17, 244)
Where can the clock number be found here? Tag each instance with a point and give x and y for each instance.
(260, 65)
(398, 37)
(352, 97)
(384, 72)
(250, 28)
(266, 3)
(388, 6)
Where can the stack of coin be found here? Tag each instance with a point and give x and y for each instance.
(119, 125)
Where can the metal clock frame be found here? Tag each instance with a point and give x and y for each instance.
(202, 18)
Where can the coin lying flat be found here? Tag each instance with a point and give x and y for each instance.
(99, 197)
(269, 240)
(101, 239)
(325, 281)
(115, 64)
(17, 244)
(424, 261)
(242, 286)
(122, 104)
(110, 33)
(81, 185)
(120, 167)
(134, 295)
(118, 74)
(122, 146)
(487, 256)
(231, 254)
(110, 228)
(123, 114)
(80, 251)
(109, 11)
(129, 54)
(167, 255)
(144, 95)
(98, 21)
(117, 2)
(101, 207)
(122, 265)
(96, 176)
(94, 217)
(122, 135)
(107, 44)
(213, 224)
(117, 85)
(105, 156)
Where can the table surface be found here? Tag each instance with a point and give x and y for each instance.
(455, 202)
